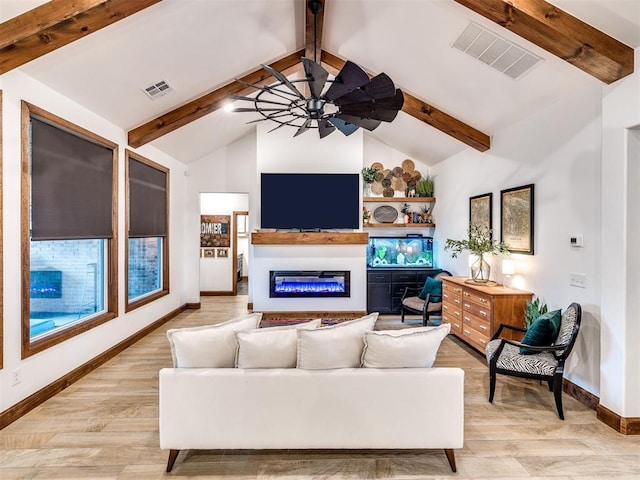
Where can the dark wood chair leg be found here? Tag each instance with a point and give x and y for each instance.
(402, 314)
(173, 454)
(425, 319)
(452, 458)
(557, 393)
(492, 385)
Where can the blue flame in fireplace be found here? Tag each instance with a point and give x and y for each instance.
(310, 287)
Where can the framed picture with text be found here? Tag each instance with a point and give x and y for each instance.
(516, 218)
(480, 211)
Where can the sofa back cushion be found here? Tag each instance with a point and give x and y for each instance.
(406, 348)
(337, 346)
(210, 346)
(273, 347)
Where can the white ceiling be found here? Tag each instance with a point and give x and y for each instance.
(199, 45)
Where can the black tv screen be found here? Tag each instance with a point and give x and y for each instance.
(310, 201)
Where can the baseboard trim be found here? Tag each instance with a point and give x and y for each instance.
(209, 293)
(192, 306)
(32, 401)
(626, 426)
(588, 399)
(312, 314)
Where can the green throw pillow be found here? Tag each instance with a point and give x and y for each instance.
(432, 286)
(539, 334)
(555, 318)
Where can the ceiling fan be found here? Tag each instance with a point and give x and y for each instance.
(350, 101)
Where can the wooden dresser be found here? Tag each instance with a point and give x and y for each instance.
(475, 312)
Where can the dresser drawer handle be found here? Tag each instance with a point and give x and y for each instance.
(466, 332)
(456, 301)
(482, 341)
(445, 319)
(445, 308)
(466, 319)
(456, 313)
(466, 294)
(457, 290)
(483, 328)
(456, 325)
(484, 314)
(483, 300)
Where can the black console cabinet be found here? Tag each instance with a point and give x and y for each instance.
(385, 287)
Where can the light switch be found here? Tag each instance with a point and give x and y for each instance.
(576, 240)
(578, 280)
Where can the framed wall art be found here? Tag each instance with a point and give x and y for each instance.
(516, 218)
(214, 230)
(480, 211)
(208, 252)
(222, 252)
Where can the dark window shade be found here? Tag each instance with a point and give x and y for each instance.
(71, 185)
(147, 200)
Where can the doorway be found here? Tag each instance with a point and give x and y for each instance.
(240, 253)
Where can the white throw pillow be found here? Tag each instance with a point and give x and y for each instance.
(407, 348)
(273, 347)
(210, 346)
(338, 346)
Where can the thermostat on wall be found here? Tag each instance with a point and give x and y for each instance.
(576, 240)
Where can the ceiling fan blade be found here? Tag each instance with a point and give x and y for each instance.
(284, 80)
(378, 110)
(249, 109)
(316, 76)
(366, 123)
(344, 127)
(303, 128)
(380, 86)
(325, 128)
(254, 99)
(349, 78)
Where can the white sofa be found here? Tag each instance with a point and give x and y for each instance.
(289, 408)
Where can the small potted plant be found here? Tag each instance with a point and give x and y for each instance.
(425, 185)
(368, 176)
(479, 242)
(366, 216)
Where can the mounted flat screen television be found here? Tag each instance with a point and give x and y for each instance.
(310, 201)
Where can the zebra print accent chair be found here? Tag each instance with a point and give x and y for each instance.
(547, 363)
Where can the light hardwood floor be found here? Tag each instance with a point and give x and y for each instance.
(105, 426)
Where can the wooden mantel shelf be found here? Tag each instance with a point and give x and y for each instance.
(309, 238)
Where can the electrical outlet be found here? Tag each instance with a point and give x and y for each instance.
(578, 280)
(16, 376)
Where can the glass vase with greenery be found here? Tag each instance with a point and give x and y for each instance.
(479, 242)
(368, 177)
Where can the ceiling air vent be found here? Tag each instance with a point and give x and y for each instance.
(157, 89)
(495, 51)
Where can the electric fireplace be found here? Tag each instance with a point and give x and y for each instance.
(301, 283)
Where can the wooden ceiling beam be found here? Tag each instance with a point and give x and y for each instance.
(313, 29)
(210, 102)
(427, 113)
(57, 23)
(561, 34)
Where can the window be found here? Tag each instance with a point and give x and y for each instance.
(69, 216)
(147, 214)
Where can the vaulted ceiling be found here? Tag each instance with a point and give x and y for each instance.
(200, 47)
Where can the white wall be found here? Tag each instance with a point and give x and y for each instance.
(620, 368)
(216, 274)
(558, 150)
(231, 169)
(43, 368)
(278, 151)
